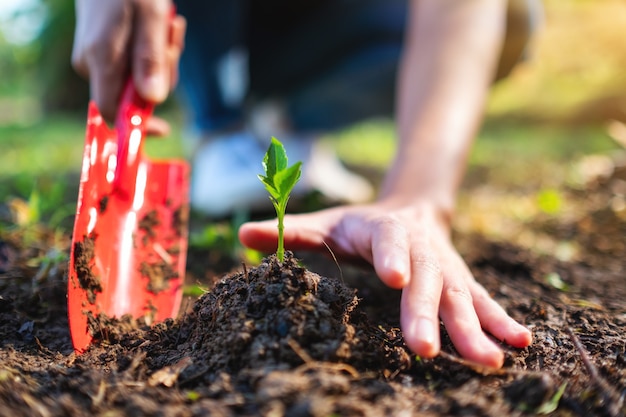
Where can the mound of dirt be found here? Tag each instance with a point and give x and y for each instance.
(277, 332)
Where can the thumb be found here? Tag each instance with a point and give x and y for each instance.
(302, 232)
(150, 69)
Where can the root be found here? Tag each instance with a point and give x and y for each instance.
(613, 402)
(310, 363)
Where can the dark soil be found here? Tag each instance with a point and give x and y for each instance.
(83, 263)
(282, 339)
(159, 274)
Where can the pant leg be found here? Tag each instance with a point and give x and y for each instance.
(336, 64)
(331, 66)
(209, 67)
(332, 62)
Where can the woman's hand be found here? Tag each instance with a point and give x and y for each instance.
(410, 249)
(117, 38)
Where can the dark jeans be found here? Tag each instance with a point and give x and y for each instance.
(330, 62)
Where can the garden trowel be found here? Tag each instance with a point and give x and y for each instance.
(130, 234)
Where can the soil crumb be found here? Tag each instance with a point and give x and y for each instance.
(149, 222)
(180, 220)
(110, 330)
(103, 204)
(83, 262)
(158, 274)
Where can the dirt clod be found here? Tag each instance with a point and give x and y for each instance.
(103, 204)
(158, 274)
(180, 220)
(83, 263)
(149, 222)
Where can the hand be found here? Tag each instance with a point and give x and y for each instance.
(114, 38)
(410, 248)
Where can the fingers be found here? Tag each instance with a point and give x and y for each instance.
(100, 49)
(420, 303)
(464, 327)
(390, 249)
(305, 231)
(467, 311)
(151, 71)
(157, 127)
(441, 286)
(116, 36)
(176, 44)
(497, 322)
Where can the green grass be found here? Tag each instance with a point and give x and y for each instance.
(52, 148)
(43, 161)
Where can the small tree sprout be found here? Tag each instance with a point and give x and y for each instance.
(279, 180)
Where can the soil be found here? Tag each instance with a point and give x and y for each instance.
(103, 204)
(158, 274)
(149, 222)
(324, 340)
(83, 262)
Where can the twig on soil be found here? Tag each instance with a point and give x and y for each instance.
(42, 348)
(97, 399)
(310, 363)
(36, 406)
(245, 272)
(613, 401)
(334, 259)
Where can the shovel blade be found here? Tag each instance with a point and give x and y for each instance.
(129, 248)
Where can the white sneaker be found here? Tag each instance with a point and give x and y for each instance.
(224, 174)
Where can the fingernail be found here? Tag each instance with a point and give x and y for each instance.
(424, 328)
(424, 331)
(155, 87)
(397, 265)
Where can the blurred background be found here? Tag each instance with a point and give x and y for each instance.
(554, 127)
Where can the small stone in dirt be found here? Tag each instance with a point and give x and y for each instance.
(84, 253)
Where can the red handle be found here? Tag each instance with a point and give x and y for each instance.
(130, 124)
(132, 117)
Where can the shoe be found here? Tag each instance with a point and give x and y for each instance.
(225, 174)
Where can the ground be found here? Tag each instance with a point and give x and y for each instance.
(311, 337)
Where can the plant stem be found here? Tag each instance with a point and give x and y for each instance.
(281, 207)
(280, 251)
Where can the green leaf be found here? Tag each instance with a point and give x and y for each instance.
(286, 179)
(554, 279)
(553, 403)
(269, 186)
(275, 159)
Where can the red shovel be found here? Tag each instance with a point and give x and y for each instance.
(130, 234)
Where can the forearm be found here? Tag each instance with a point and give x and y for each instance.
(450, 54)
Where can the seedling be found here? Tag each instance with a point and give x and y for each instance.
(279, 180)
